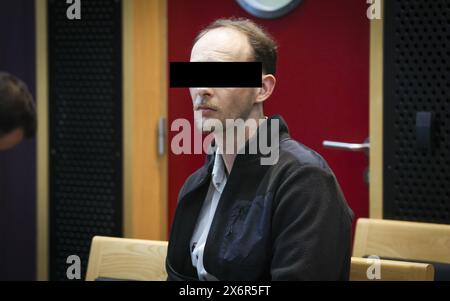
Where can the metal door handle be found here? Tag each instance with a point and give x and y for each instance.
(355, 147)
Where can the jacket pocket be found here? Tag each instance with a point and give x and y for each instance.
(247, 234)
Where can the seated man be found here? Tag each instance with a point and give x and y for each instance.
(17, 112)
(239, 218)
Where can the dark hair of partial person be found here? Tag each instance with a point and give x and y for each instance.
(17, 108)
(265, 49)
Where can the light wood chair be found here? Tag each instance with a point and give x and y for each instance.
(422, 243)
(402, 240)
(391, 270)
(126, 259)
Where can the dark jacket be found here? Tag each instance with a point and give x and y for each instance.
(287, 221)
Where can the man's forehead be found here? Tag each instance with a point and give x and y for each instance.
(221, 44)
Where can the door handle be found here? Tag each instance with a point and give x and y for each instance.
(354, 147)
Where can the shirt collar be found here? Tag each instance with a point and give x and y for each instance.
(219, 176)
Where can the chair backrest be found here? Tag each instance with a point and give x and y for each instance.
(402, 240)
(390, 270)
(126, 259)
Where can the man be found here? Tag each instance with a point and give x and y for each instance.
(17, 112)
(239, 219)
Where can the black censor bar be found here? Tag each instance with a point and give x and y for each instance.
(215, 74)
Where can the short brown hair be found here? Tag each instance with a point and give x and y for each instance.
(263, 45)
(17, 108)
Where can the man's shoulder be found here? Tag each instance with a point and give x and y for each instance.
(295, 154)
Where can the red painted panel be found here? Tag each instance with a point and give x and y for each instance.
(322, 89)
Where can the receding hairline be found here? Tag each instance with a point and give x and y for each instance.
(263, 46)
(248, 47)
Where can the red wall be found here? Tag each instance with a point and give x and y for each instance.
(322, 88)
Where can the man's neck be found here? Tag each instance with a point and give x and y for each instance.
(229, 155)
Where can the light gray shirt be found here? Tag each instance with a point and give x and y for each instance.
(198, 240)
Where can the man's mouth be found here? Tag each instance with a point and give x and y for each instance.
(205, 110)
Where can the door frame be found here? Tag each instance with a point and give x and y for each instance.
(376, 118)
(144, 44)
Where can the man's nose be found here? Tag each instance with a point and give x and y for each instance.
(204, 91)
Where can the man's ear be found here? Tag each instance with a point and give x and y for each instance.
(268, 85)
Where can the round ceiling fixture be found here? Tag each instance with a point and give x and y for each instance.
(268, 9)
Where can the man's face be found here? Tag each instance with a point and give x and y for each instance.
(211, 104)
(10, 139)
